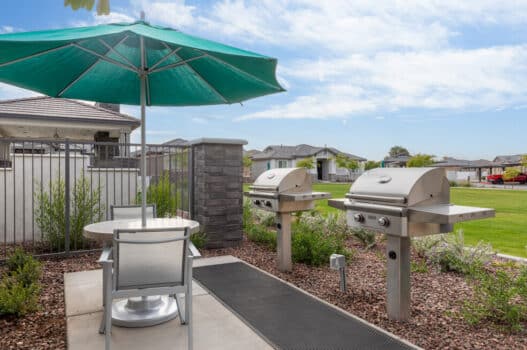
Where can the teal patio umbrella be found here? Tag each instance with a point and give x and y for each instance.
(136, 64)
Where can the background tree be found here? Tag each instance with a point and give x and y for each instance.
(247, 161)
(398, 151)
(420, 160)
(347, 163)
(524, 161)
(510, 173)
(103, 6)
(371, 164)
(308, 163)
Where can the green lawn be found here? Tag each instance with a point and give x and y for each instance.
(507, 232)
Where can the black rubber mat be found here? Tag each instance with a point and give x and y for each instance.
(286, 317)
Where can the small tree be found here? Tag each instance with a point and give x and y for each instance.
(50, 208)
(420, 160)
(247, 161)
(308, 163)
(524, 161)
(510, 174)
(371, 164)
(347, 163)
(396, 151)
(103, 6)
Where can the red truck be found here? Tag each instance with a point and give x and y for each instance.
(498, 179)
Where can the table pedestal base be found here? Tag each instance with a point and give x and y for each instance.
(144, 311)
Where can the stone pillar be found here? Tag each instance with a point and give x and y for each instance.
(217, 189)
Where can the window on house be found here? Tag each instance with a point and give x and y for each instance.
(282, 163)
(268, 165)
(5, 157)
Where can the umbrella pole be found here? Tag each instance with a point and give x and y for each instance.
(143, 152)
(142, 77)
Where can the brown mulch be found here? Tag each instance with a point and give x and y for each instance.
(46, 328)
(436, 300)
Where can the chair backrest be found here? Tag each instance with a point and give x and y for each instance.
(122, 212)
(150, 258)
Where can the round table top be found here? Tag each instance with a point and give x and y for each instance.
(103, 231)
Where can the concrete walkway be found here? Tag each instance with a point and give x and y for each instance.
(215, 327)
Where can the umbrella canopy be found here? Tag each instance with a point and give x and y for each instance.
(104, 63)
(136, 64)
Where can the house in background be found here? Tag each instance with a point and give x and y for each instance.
(395, 162)
(280, 156)
(48, 118)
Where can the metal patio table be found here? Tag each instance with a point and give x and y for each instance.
(139, 311)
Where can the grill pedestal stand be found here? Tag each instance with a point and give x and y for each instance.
(283, 246)
(398, 277)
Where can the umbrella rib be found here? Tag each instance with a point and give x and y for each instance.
(166, 56)
(238, 69)
(86, 71)
(199, 75)
(107, 59)
(147, 88)
(112, 48)
(206, 82)
(35, 55)
(170, 66)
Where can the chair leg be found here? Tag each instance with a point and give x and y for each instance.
(104, 278)
(108, 311)
(182, 316)
(188, 307)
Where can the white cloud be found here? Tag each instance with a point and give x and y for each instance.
(389, 81)
(8, 92)
(174, 13)
(6, 29)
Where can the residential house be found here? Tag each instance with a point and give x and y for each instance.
(48, 118)
(325, 169)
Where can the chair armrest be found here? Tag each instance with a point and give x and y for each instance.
(106, 256)
(194, 252)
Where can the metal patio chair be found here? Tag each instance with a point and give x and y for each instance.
(146, 262)
(122, 212)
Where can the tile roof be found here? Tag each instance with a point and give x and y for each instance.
(298, 151)
(514, 159)
(44, 107)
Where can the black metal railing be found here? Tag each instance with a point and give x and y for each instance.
(50, 189)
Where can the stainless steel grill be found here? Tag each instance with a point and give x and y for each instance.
(284, 191)
(403, 203)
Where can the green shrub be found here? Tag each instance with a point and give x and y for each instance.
(451, 254)
(199, 239)
(265, 218)
(164, 195)
(500, 298)
(424, 245)
(261, 235)
(315, 238)
(16, 298)
(453, 183)
(85, 208)
(367, 238)
(248, 214)
(20, 286)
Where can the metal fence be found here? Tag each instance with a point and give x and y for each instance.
(50, 189)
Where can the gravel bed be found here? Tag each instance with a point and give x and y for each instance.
(436, 301)
(436, 298)
(46, 328)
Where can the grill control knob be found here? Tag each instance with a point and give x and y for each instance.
(358, 218)
(384, 221)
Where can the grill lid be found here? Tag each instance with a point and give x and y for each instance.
(401, 186)
(283, 180)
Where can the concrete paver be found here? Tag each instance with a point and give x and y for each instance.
(215, 327)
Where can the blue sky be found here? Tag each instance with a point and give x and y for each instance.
(444, 77)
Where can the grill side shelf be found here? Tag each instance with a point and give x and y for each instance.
(448, 213)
